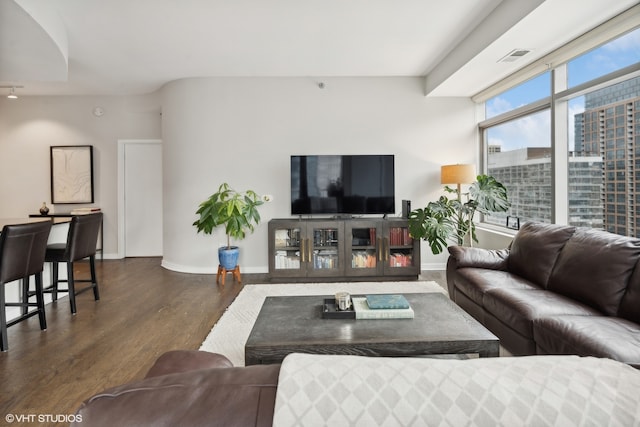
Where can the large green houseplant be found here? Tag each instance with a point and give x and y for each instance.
(236, 211)
(451, 219)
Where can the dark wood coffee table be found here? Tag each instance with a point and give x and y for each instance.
(294, 324)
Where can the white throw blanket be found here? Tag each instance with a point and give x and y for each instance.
(319, 390)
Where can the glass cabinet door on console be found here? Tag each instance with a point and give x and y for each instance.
(285, 248)
(363, 242)
(324, 249)
(401, 253)
(305, 248)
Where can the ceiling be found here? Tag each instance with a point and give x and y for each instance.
(121, 47)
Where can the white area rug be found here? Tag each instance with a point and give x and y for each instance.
(230, 334)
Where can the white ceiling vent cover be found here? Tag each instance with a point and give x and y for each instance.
(514, 55)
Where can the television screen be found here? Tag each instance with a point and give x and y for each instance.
(354, 184)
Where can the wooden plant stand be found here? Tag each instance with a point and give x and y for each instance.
(223, 272)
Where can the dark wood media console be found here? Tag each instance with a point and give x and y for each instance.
(342, 249)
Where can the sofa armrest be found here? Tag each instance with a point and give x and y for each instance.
(176, 361)
(242, 396)
(479, 258)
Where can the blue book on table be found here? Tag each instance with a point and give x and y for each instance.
(387, 301)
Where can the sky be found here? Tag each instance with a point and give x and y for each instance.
(535, 130)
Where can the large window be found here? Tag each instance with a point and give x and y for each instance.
(597, 183)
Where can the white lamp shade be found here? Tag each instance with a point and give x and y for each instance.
(457, 174)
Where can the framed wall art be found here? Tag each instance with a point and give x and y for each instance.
(72, 174)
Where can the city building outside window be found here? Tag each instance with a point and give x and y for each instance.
(519, 156)
(604, 133)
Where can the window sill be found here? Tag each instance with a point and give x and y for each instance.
(496, 229)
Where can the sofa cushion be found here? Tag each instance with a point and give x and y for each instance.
(630, 305)
(594, 268)
(535, 249)
(599, 336)
(474, 282)
(518, 308)
(242, 396)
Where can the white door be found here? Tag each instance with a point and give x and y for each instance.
(142, 198)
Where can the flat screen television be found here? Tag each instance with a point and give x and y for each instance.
(345, 185)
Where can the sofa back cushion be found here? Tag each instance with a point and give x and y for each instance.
(535, 249)
(594, 267)
(630, 304)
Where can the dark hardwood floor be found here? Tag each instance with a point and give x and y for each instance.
(144, 311)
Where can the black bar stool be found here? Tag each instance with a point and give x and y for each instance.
(81, 243)
(22, 250)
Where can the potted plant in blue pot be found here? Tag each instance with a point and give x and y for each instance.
(237, 211)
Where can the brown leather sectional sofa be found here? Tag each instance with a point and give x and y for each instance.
(556, 290)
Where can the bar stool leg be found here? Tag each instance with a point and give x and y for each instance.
(94, 280)
(24, 284)
(54, 282)
(4, 344)
(71, 287)
(40, 301)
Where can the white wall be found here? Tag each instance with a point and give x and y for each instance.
(240, 130)
(30, 125)
(243, 130)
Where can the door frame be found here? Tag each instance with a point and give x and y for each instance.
(122, 143)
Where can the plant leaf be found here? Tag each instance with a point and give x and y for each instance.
(489, 195)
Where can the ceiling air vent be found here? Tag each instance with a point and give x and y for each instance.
(514, 55)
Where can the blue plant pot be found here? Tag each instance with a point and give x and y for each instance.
(228, 257)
